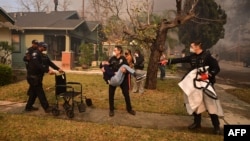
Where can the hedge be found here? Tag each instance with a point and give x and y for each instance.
(5, 74)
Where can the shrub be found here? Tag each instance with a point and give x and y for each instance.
(6, 74)
(87, 55)
(5, 52)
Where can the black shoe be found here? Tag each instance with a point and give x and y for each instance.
(217, 131)
(140, 77)
(194, 126)
(31, 109)
(111, 113)
(48, 110)
(132, 112)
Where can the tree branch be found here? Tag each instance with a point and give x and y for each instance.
(179, 18)
(210, 20)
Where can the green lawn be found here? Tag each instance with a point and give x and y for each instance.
(167, 98)
(31, 128)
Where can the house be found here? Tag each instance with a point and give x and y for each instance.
(6, 24)
(64, 31)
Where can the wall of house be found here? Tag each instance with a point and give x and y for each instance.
(5, 35)
(30, 37)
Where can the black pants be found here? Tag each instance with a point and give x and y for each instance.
(36, 90)
(125, 91)
(162, 70)
(214, 119)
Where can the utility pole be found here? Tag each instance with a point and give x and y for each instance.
(56, 4)
(83, 8)
(239, 45)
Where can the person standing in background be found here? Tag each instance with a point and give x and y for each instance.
(162, 66)
(138, 66)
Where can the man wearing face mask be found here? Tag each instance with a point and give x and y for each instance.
(200, 59)
(115, 62)
(38, 65)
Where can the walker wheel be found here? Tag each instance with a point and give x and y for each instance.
(70, 113)
(66, 106)
(55, 112)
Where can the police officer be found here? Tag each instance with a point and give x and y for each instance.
(197, 59)
(26, 60)
(116, 61)
(29, 51)
(38, 65)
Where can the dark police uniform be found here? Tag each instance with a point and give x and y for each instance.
(28, 55)
(26, 59)
(197, 61)
(38, 65)
(115, 64)
(29, 52)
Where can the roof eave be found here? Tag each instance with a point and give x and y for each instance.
(93, 29)
(55, 28)
(48, 28)
(8, 17)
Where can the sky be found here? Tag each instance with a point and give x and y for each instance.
(14, 5)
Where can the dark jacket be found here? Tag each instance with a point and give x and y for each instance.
(28, 55)
(39, 64)
(139, 62)
(108, 73)
(114, 65)
(48, 63)
(200, 60)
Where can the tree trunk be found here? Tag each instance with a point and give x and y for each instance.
(157, 48)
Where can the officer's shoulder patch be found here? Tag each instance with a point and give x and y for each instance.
(120, 61)
(34, 54)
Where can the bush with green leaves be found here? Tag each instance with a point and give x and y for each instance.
(5, 52)
(6, 74)
(87, 54)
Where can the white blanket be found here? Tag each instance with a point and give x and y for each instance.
(194, 98)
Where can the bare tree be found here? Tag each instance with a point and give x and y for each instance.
(36, 5)
(26, 5)
(101, 9)
(45, 5)
(152, 36)
(157, 43)
(65, 4)
(108, 12)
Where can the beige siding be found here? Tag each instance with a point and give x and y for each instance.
(5, 35)
(30, 37)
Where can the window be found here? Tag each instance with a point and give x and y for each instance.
(16, 43)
